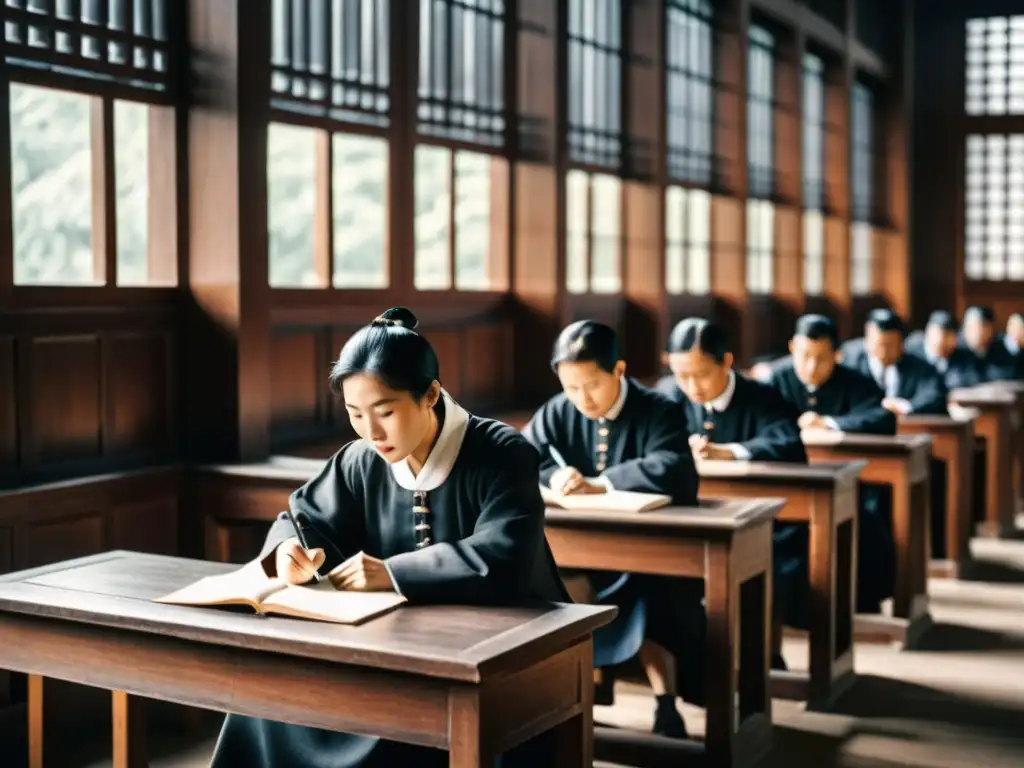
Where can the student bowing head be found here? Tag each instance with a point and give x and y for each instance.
(586, 359)
(979, 327)
(699, 357)
(883, 336)
(940, 334)
(388, 376)
(813, 348)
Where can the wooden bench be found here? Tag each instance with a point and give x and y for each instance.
(995, 425)
(953, 444)
(474, 681)
(728, 544)
(824, 496)
(900, 462)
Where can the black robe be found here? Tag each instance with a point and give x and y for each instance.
(488, 529)
(917, 382)
(765, 425)
(854, 402)
(997, 363)
(647, 451)
(961, 369)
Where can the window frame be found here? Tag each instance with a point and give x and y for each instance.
(863, 189)
(706, 18)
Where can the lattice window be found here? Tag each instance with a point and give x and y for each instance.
(760, 114)
(595, 82)
(994, 208)
(994, 69)
(760, 246)
(814, 253)
(593, 233)
(687, 241)
(862, 154)
(122, 41)
(458, 194)
(689, 83)
(862, 259)
(462, 70)
(330, 58)
(814, 131)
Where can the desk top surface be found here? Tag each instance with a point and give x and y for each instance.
(871, 445)
(116, 589)
(713, 518)
(825, 473)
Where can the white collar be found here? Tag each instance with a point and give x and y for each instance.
(442, 456)
(616, 409)
(721, 403)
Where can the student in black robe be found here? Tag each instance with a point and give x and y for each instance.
(731, 417)
(608, 432)
(938, 345)
(910, 384)
(994, 360)
(833, 397)
(480, 542)
(1013, 340)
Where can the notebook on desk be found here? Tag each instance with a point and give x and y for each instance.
(318, 601)
(611, 501)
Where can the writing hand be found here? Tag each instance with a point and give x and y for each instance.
(362, 573)
(712, 451)
(567, 480)
(811, 420)
(296, 565)
(587, 487)
(897, 405)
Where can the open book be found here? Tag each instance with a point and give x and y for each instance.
(611, 501)
(318, 601)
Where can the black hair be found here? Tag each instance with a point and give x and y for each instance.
(390, 349)
(943, 319)
(886, 320)
(980, 312)
(587, 341)
(700, 334)
(816, 328)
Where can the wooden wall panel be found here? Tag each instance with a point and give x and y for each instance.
(8, 403)
(486, 363)
(64, 393)
(62, 538)
(298, 375)
(448, 346)
(149, 526)
(139, 382)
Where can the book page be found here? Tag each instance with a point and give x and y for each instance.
(611, 501)
(323, 602)
(248, 585)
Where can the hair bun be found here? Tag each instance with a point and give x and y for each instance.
(401, 317)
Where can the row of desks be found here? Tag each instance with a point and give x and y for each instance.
(61, 615)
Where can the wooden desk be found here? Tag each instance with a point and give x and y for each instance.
(824, 496)
(474, 681)
(1017, 388)
(901, 462)
(729, 545)
(996, 426)
(953, 444)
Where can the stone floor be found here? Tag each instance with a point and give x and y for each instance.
(956, 703)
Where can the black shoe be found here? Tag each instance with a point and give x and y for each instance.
(779, 663)
(604, 691)
(667, 720)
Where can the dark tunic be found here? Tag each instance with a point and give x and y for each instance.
(647, 451)
(765, 425)
(488, 529)
(916, 381)
(960, 370)
(854, 402)
(997, 363)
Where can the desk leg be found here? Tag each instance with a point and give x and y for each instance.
(910, 520)
(722, 635)
(35, 721)
(129, 735)
(959, 498)
(574, 738)
(466, 748)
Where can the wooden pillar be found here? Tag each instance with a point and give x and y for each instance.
(538, 205)
(729, 209)
(893, 268)
(789, 271)
(838, 92)
(227, 372)
(643, 206)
